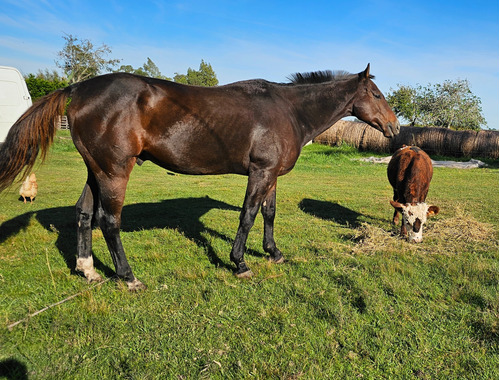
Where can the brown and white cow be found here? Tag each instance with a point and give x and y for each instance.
(410, 174)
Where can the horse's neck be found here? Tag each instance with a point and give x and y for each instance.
(319, 106)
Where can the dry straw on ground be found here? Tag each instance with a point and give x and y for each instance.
(446, 236)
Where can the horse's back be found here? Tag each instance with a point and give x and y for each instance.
(187, 129)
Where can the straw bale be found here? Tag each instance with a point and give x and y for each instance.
(439, 141)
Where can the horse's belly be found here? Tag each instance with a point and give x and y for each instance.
(199, 159)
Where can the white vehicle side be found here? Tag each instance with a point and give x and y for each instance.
(14, 98)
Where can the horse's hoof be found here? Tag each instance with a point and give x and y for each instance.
(246, 274)
(136, 285)
(279, 260)
(95, 277)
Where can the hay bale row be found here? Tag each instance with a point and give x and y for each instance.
(438, 141)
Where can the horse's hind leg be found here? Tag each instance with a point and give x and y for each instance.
(84, 214)
(268, 212)
(111, 198)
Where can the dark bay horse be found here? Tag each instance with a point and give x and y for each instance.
(254, 128)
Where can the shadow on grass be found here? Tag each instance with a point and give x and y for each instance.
(183, 214)
(331, 212)
(13, 369)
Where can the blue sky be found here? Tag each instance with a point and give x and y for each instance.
(413, 42)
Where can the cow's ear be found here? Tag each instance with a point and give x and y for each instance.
(398, 206)
(432, 210)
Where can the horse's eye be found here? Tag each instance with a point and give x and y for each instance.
(377, 96)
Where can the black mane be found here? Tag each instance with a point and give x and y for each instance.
(320, 77)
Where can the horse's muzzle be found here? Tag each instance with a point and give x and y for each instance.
(392, 129)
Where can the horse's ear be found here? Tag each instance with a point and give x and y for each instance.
(365, 74)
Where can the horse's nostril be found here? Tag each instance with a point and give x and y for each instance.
(396, 127)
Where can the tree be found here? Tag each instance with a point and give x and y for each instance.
(449, 105)
(149, 69)
(455, 106)
(44, 83)
(126, 69)
(204, 76)
(80, 60)
(152, 70)
(404, 103)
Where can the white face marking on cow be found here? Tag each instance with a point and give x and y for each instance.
(410, 215)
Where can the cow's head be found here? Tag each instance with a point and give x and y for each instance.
(414, 217)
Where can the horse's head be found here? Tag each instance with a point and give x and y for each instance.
(371, 107)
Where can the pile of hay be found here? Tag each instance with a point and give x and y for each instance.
(371, 240)
(462, 228)
(444, 236)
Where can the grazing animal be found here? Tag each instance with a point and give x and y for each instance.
(254, 128)
(29, 188)
(410, 174)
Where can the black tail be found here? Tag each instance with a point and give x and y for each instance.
(34, 131)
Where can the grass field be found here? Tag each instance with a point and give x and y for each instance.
(352, 300)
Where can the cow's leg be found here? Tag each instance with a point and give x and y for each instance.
(84, 214)
(268, 212)
(403, 229)
(395, 217)
(260, 183)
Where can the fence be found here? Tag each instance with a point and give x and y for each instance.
(62, 123)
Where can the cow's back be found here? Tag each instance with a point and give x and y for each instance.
(410, 174)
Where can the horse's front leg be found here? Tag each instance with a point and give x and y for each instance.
(269, 212)
(247, 218)
(259, 184)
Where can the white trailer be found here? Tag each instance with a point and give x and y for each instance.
(14, 98)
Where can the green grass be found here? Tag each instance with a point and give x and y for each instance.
(352, 300)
